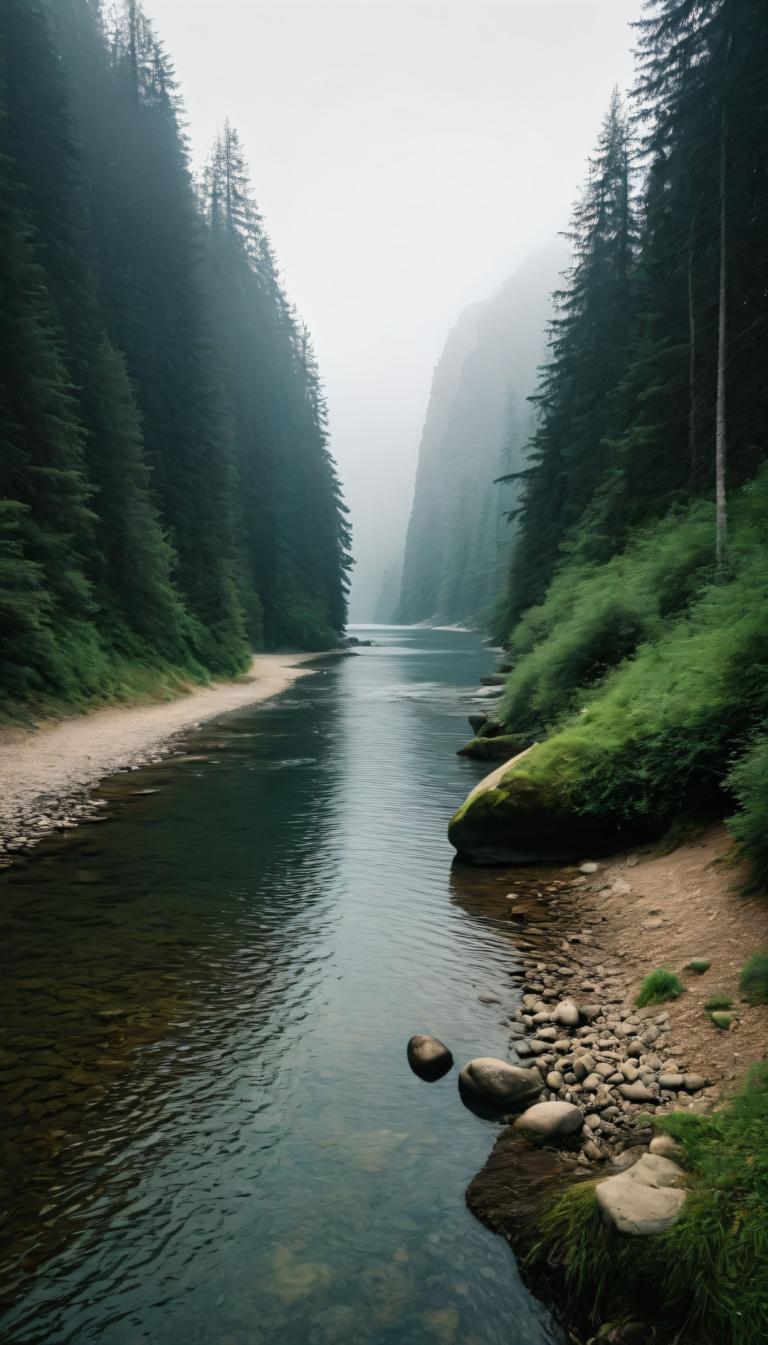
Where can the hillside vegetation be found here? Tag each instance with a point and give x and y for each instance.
(162, 423)
(636, 612)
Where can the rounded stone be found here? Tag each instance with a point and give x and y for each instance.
(499, 1084)
(428, 1057)
(550, 1120)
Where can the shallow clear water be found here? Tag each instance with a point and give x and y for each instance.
(210, 1132)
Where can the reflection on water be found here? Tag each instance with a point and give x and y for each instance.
(209, 1130)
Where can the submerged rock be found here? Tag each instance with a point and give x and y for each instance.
(645, 1199)
(428, 1057)
(499, 1084)
(550, 1120)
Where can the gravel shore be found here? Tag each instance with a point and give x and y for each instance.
(48, 771)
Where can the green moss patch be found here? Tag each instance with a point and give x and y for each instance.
(718, 1002)
(698, 964)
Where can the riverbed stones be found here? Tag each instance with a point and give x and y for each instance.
(636, 1092)
(566, 1014)
(644, 1200)
(499, 1084)
(428, 1057)
(665, 1147)
(693, 1083)
(671, 1082)
(550, 1121)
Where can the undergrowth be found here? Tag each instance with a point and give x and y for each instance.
(753, 982)
(661, 985)
(707, 1276)
(658, 734)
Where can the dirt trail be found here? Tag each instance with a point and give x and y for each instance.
(658, 910)
(46, 772)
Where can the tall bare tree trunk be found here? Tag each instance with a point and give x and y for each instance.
(693, 448)
(721, 515)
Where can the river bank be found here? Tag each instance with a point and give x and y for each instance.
(48, 771)
(609, 925)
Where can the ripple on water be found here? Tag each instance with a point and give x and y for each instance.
(210, 1129)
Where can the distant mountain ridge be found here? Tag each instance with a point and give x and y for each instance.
(478, 420)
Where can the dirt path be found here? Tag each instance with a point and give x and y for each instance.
(662, 910)
(46, 772)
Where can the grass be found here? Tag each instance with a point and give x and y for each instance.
(708, 1274)
(753, 981)
(698, 964)
(661, 985)
(718, 1002)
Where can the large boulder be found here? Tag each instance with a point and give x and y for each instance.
(550, 1121)
(428, 1057)
(515, 816)
(496, 1083)
(645, 1199)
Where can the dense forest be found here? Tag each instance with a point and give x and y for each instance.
(478, 420)
(635, 612)
(164, 431)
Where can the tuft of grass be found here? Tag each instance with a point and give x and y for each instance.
(722, 1020)
(661, 985)
(718, 1002)
(698, 964)
(753, 981)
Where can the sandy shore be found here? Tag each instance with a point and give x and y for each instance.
(47, 772)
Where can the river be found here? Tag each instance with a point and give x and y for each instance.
(210, 1133)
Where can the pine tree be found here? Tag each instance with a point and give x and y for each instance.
(588, 344)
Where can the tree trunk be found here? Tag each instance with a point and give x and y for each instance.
(721, 516)
(693, 449)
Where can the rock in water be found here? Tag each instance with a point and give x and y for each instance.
(550, 1120)
(645, 1199)
(514, 817)
(428, 1057)
(498, 1084)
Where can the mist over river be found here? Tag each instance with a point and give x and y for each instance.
(210, 1133)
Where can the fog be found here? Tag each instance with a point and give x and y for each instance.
(407, 155)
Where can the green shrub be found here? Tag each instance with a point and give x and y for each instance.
(753, 981)
(698, 964)
(661, 985)
(748, 781)
(722, 1020)
(718, 1002)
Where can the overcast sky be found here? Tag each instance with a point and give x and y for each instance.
(407, 155)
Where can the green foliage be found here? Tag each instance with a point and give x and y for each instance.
(150, 530)
(661, 985)
(718, 1002)
(721, 1020)
(699, 965)
(753, 982)
(708, 1273)
(595, 616)
(748, 781)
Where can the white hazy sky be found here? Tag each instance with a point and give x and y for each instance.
(407, 155)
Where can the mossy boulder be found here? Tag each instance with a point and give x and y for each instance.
(501, 748)
(514, 816)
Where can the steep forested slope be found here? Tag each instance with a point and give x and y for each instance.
(163, 428)
(477, 422)
(637, 605)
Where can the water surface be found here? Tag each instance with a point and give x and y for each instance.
(210, 1134)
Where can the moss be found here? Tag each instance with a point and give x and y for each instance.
(722, 1020)
(501, 747)
(698, 964)
(753, 981)
(661, 985)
